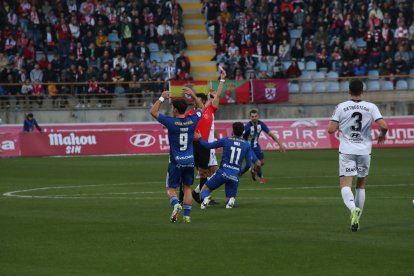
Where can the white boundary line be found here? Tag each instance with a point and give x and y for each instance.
(107, 195)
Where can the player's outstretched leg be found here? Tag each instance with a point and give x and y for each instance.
(356, 213)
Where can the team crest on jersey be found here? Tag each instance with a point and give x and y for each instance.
(270, 91)
(206, 116)
(198, 113)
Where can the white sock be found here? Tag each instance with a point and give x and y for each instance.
(197, 189)
(360, 198)
(348, 198)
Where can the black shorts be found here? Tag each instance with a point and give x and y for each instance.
(201, 155)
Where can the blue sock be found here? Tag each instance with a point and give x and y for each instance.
(187, 210)
(259, 173)
(174, 200)
(204, 194)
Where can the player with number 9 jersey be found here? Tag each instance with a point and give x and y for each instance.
(180, 137)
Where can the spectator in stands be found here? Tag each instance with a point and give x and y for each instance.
(359, 68)
(323, 60)
(298, 16)
(346, 70)
(247, 62)
(183, 62)
(37, 94)
(309, 52)
(179, 41)
(284, 51)
(293, 70)
(36, 74)
(169, 71)
(143, 52)
(134, 93)
(25, 91)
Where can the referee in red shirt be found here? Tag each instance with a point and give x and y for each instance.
(201, 154)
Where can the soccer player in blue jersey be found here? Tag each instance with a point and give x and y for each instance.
(180, 137)
(252, 132)
(235, 150)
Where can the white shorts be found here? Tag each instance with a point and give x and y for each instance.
(213, 159)
(354, 165)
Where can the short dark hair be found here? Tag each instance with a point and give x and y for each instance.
(238, 129)
(30, 115)
(202, 96)
(254, 111)
(356, 87)
(180, 105)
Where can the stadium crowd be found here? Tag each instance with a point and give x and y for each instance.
(101, 43)
(349, 37)
(106, 44)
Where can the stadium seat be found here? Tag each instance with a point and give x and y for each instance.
(412, 73)
(387, 86)
(319, 87)
(319, 76)
(332, 76)
(286, 65)
(156, 56)
(333, 86)
(113, 37)
(373, 85)
(306, 76)
(293, 87)
(295, 33)
(401, 85)
(153, 47)
(360, 43)
(39, 55)
(344, 86)
(306, 87)
(411, 84)
(373, 74)
(311, 66)
(262, 67)
(166, 57)
(301, 65)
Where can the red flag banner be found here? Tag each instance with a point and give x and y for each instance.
(234, 91)
(270, 91)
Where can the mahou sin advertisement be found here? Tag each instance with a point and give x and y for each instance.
(152, 138)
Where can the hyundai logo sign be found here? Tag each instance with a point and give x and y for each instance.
(142, 140)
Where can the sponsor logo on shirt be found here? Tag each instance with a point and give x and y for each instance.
(231, 167)
(142, 140)
(184, 157)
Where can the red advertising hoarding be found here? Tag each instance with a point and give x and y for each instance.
(151, 138)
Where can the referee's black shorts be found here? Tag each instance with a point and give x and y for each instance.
(201, 155)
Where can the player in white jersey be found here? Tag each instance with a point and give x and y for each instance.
(353, 119)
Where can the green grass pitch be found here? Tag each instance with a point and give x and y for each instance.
(110, 216)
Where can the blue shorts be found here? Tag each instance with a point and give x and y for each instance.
(257, 154)
(219, 178)
(178, 175)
